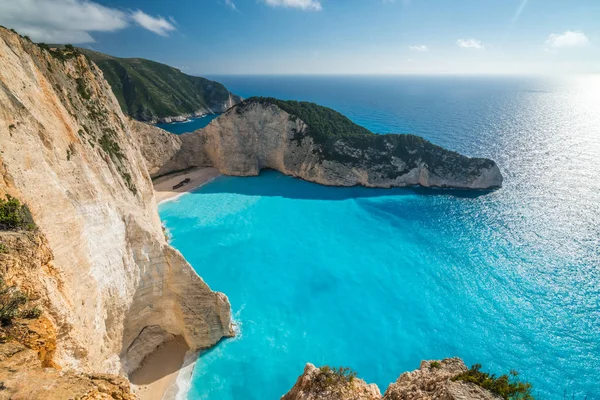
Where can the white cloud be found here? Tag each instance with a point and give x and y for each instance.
(231, 4)
(66, 21)
(567, 39)
(313, 5)
(158, 25)
(470, 44)
(420, 47)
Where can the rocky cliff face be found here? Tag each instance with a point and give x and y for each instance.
(256, 134)
(433, 380)
(101, 265)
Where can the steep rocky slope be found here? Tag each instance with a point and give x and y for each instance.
(105, 276)
(316, 144)
(433, 380)
(151, 91)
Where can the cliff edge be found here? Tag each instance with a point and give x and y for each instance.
(433, 380)
(107, 281)
(316, 144)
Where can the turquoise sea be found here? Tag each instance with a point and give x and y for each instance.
(379, 280)
(188, 126)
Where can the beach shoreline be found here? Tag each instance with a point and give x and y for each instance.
(163, 186)
(156, 379)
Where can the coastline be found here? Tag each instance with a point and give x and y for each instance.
(163, 186)
(165, 373)
(156, 379)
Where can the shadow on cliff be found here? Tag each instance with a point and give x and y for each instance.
(275, 184)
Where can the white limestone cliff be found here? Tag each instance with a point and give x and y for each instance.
(255, 135)
(67, 151)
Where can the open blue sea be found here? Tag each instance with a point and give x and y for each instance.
(379, 280)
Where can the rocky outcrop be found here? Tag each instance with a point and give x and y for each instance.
(23, 377)
(433, 380)
(257, 134)
(319, 384)
(99, 265)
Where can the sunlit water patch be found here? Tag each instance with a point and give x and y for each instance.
(380, 279)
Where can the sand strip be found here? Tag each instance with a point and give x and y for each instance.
(159, 370)
(163, 186)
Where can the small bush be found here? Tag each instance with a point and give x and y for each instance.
(11, 300)
(505, 386)
(31, 313)
(435, 365)
(330, 379)
(14, 215)
(81, 89)
(3, 248)
(12, 126)
(110, 147)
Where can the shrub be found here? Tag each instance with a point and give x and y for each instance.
(11, 300)
(31, 313)
(435, 364)
(110, 147)
(14, 215)
(330, 379)
(505, 386)
(3, 248)
(81, 89)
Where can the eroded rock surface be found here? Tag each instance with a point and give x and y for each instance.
(312, 385)
(432, 381)
(100, 266)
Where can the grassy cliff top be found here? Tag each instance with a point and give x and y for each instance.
(324, 123)
(148, 90)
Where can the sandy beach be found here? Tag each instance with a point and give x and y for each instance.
(163, 187)
(159, 371)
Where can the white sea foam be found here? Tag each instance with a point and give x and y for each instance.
(183, 383)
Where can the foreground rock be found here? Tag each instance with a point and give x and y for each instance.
(99, 264)
(318, 383)
(327, 148)
(28, 372)
(433, 380)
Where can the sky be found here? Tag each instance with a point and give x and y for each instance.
(212, 37)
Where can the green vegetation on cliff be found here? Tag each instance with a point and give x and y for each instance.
(324, 123)
(329, 379)
(507, 387)
(14, 215)
(148, 90)
(15, 304)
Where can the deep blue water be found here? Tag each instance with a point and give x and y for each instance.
(380, 279)
(191, 125)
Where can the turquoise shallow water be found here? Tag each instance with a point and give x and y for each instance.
(380, 279)
(188, 126)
